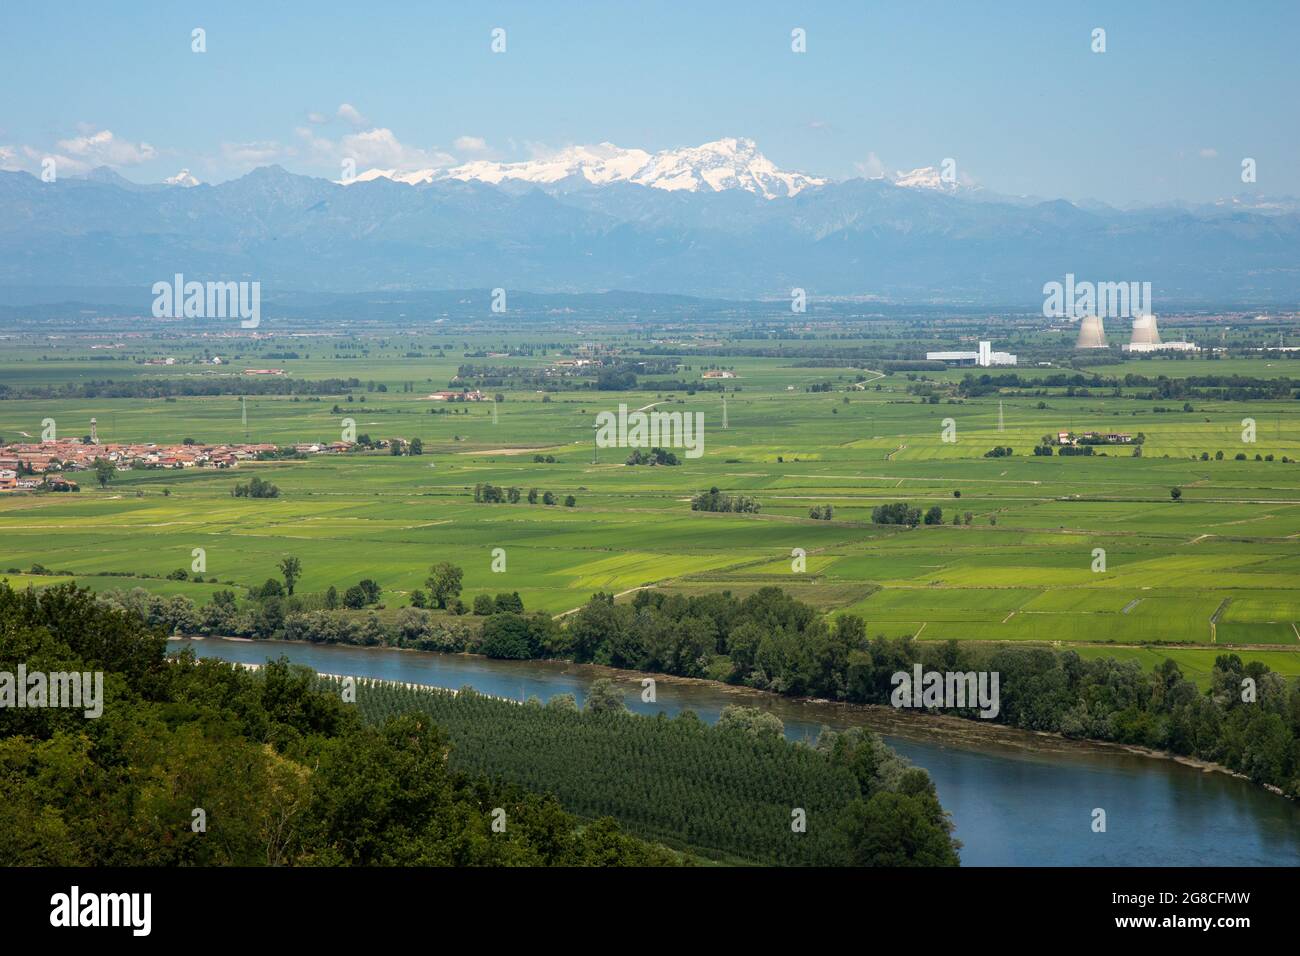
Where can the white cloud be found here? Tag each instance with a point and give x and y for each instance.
(183, 178)
(102, 148)
(470, 144)
(78, 154)
(255, 153)
(368, 149)
(350, 114)
(317, 119)
(871, 168)
(1209, 152)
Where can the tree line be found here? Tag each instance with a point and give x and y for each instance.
(729, 790)
(771, 641)
(203, 764)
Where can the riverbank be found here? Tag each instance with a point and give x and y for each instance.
(1017, 798)
(914, 725)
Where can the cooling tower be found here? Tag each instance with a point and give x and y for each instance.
(1145, 331)
(1091, 333)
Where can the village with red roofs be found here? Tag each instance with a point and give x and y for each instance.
(45, 465)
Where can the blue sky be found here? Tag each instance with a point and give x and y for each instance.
(1183, 92)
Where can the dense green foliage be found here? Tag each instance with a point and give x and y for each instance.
(283, 771)
(771, 641)
(774, 642)
(255, 487)
(897, 513)
(1237, 388)
(729, 789)
(715, 500)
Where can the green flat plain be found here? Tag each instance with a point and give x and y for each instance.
(1022, 570)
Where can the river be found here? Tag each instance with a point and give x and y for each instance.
(1016, 798)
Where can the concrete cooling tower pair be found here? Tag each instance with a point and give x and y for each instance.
(1092, 334)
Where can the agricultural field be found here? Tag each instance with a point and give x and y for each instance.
(1092, 552)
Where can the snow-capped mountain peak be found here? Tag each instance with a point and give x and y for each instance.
(712, 167)
(410, 178)
(599, 164)
(925, 177)
(183, 178)
(729, 163)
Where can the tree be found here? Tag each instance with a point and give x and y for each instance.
(570, 501)
(896, 513)
(548, 498)
(507, 636)
(1175, 493)
(483, 605)
(331, 597)
(291, 571)
(416, 447)
(508, 602)
(934, 515)
(103, 471)
(896, 829)
(532, 496)
(443, 582)
(417, 598)
(272, 588)
(256, 488)
(354, 597)
(604, 694)
(752, 720)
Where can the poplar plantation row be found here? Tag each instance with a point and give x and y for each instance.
(736, 790)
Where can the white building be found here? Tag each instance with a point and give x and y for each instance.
(984, 358)
(1160, 347)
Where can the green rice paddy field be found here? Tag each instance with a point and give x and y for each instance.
(1218, 569)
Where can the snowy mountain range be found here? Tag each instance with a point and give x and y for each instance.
(716, 220)
(721, 165)
(724, 164)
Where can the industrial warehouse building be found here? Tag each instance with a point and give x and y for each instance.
(984, 358)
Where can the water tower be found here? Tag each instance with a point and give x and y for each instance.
(94, 432)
